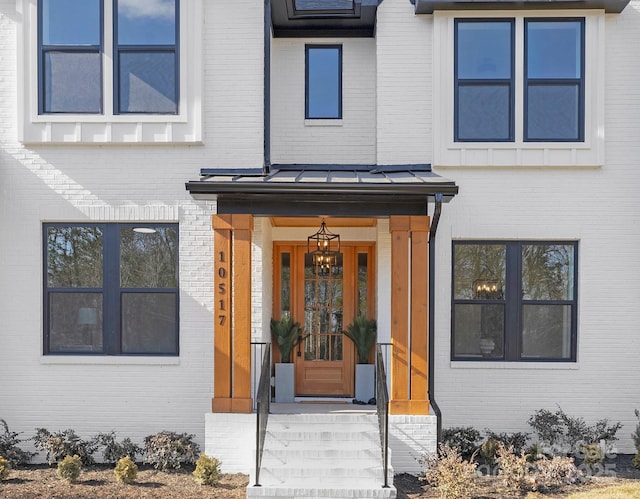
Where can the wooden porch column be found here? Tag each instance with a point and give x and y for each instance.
(242, 228)
(399, 227)
(232, 317)
(222, 314)
(419, 314)
(409, 314)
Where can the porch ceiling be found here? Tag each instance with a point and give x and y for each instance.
(331, 190)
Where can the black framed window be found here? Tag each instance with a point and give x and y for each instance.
(484, 80)
(146, 69)
(70, 56)
(554, 80)
(514, 301)
(111, 289)
(323, 81)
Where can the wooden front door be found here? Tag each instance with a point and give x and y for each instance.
(324, 301)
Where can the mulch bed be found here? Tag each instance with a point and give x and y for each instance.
(41, 482)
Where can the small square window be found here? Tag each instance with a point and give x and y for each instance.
(323, 76)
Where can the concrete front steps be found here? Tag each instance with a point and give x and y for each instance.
(322, 456)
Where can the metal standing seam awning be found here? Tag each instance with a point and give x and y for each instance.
(332, 190)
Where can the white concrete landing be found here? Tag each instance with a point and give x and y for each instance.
(324, 451)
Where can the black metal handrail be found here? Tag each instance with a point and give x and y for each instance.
(382, 405)
(263, 398)
(257, 356)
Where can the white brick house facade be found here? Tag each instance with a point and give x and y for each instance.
(130, 170)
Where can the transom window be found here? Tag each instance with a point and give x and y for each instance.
(111, 289)
(484, 99)
(323, 79)
(514, 301)
(72, 55)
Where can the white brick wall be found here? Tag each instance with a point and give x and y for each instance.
(133, 396)
(410, 438)
(599, 208)
(404, 84)
(353, 140)
(391, 124)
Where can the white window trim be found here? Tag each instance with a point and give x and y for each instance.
(106, 128)
(448, 153)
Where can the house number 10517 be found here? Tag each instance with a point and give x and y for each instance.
(222, 289)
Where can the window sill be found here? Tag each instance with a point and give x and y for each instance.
(112, 360)
(470, 364)
(330, 122)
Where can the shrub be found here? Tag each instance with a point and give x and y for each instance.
(488, 450)
(514, 469)
(126, 471)
(169, 450)
(64, 443)
(9, 449)
(556, 472)
(207, 470)
(465, 439)
(113, 450)
(450, 474)
(636, 434)
(561, 433)
(5, 466)
(593, 453)
(636, 459)
(69, 468)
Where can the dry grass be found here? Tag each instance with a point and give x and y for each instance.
(629, 490)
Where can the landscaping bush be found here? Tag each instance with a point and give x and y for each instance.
(636, 440)
(517, 441)
(9, 448)
(562, 434)
(556, 472)
(167, 450)
(69, 468)
(113, 450)
(593, 454)
(64, 443)
(514, 469)
(207, 470)
(519, 475)
(451, 475)
(5, 467)
(126, 471)
(465, 439)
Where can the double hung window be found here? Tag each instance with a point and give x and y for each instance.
(485, 80)
(554, 80)
(111, 289)
(72, 56)
(514, 301)
(323, 78)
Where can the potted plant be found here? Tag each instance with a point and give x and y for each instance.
(363, 333)
(287, 334)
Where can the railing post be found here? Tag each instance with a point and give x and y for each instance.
(263, 406)
(382, 406)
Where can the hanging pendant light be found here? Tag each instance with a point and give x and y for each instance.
(324, 247)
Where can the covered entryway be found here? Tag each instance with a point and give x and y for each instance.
(324, 299)
(399, 194)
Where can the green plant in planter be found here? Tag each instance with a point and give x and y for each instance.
(362, 332)
(287, 334)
